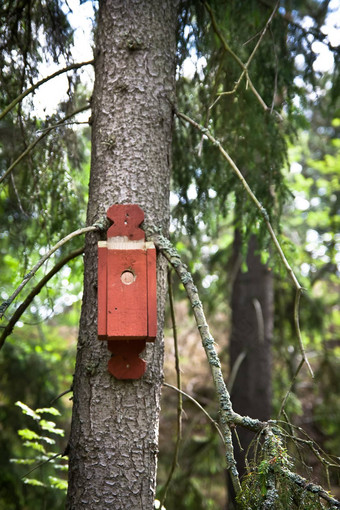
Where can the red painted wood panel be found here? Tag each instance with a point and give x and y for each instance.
(125, 362)
(127, 304)
(126, 220)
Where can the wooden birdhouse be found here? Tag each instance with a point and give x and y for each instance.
(127, 292)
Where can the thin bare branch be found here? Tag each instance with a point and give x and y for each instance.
(43, 463)
(29, 276)
(199, 406)
(297, 327)
(61, 395)
(269, 227)
(37, 140)
(234, 371)
(179, 402)
(55, 126)
(25, 304)
(310, 443)
(41, 82)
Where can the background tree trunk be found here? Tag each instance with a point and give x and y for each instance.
(252, 306)
(114, 436)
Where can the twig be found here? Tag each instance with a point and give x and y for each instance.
(237, 59)
(61, 395)
(271, 442)
(29, 276)
(269, 227)
(213, 94)
(37, 140)
(24, 305)
(41, 82)
(180, 400)
(290, 387)
(319, 453)
(314, 31)
(199, 406)
(297, 327)
(234, 371)
(75, 122)
(276, 73)
(43, 463)
(259, 319)
(293, 436)
(17, 196)
(174, 331)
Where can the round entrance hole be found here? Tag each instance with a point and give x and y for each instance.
(127, 277)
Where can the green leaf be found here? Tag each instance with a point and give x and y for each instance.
(48, 440)
(22, 461)
(50, 426)
(28, 434)
(58, 483)
(50, 410)
(36, 446)
(61, 467)
(33, 481)
(27, 410)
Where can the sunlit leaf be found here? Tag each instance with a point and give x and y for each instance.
(33, 481)
(28, 434)
(58, 483)
(27, 410)
(36, 446)
(48, 440)
(51, 427)
(22, 461)
(61, 467)
(49, 410)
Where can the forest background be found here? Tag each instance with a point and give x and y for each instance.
(44, 197)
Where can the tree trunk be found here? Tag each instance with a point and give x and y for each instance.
(114, 436)
(250, 343)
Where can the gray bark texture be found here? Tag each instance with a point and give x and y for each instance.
(252, 331)
(114, 435)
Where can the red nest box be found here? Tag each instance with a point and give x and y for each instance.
(127, 292)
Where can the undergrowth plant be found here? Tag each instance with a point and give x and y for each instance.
(40, 440)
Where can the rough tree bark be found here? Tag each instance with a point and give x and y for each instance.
(252, 305)
(114, 437)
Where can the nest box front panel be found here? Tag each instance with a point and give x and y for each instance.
(127, 300)
(127, 291)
